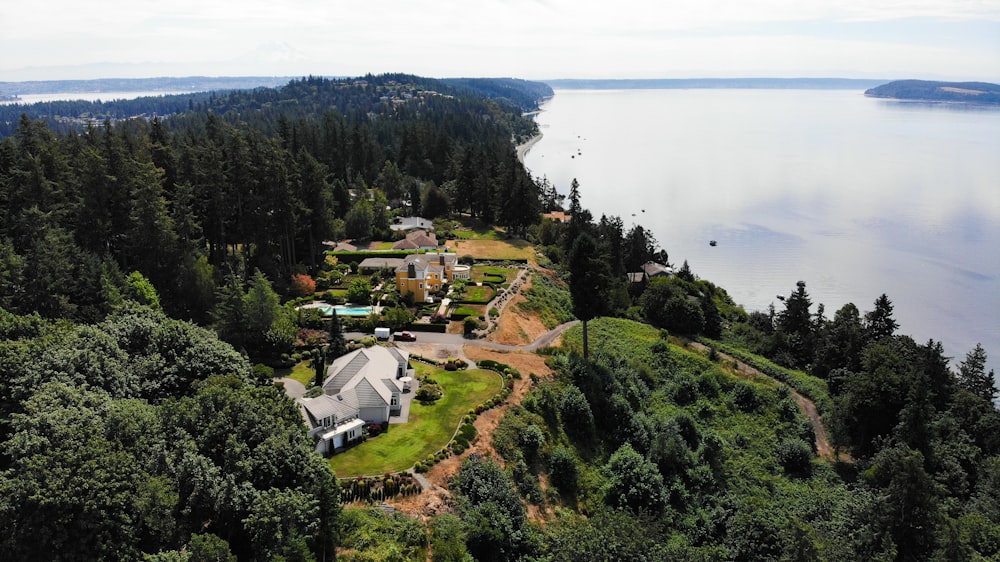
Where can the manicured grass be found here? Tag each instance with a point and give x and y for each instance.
(494, 249)
(429, 429)
(468, 310)
(379, 246)
(477, 294)
(475, 234)
(490, 273)
(302, 372)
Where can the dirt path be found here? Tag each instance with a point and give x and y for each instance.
(435, 498)
(503, 297)
(806, 406)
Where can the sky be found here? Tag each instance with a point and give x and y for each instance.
(532, 39)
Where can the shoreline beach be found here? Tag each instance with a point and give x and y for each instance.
(522, 149)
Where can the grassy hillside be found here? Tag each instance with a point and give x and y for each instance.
(705, 463)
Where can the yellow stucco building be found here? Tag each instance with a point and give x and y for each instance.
(422, 275)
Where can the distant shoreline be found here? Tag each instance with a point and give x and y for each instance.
(716, 83)
(522, 149)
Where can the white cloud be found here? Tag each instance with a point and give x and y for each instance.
(535, 38)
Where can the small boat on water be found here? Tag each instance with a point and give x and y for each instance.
(781, 297)
(712, 242)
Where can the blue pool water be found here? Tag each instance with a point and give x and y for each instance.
(344, 310)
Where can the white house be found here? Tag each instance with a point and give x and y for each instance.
(361, 388)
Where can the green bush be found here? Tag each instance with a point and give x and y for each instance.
(428, 393)
(795, 456)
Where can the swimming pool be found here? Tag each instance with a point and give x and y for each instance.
(342, 309)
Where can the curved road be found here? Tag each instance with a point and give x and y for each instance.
(434, 338)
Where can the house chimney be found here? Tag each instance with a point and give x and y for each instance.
(411, 271)
(441, 259)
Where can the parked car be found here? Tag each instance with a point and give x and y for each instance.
(404, 336)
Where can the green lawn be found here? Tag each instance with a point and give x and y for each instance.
(429, 429)
(477, 294)
(302, 372)
(490, 273)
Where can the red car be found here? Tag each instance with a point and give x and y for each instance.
(404, 336)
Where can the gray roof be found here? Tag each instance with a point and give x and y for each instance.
(430, 261)
(369, 372)
(342, 406)
(399, 354)
(379, 263)
(372, 395)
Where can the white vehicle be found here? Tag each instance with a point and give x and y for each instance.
(382, 333)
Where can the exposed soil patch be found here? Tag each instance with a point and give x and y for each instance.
(518, 328)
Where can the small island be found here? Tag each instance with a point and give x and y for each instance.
(926, 90)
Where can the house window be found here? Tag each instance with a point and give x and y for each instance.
(395, 401)
(420, 286)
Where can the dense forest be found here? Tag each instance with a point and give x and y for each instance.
(144, 262)
(250, 180)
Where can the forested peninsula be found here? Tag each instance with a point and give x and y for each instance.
(581, 396)
(931, 91)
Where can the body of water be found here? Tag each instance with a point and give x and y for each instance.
(855, 196)
(88, 96)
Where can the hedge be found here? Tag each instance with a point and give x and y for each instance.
(434, 328)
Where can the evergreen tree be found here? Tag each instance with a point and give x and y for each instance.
(338, 346)
(795, 322)
(879, 323)
(588, 282)
(973, 377)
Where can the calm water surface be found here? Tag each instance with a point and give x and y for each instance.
(855, 196)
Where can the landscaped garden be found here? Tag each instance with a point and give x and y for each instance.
(302, 372)
(476, 294)
(429, 429)
(490, 274)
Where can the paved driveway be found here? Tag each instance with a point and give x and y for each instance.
(293, 388)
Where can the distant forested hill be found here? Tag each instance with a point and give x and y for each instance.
(520, 93)
(297, 97)
(924, 90)
(161, 84)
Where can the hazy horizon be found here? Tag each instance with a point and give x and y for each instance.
(531, 39)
